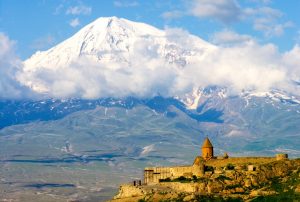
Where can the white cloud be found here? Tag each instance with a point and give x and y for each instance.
(147, 149)
(126, 3)
(291, 59)
(9, 66)
(58, 9)
(225, 11)
(246, 67)
(74, 22)
(229, 37)
(79, 10)
(172, 14)
(263, 18)
(240, 66)
(271, 29)
(88, 79)
(267, 21)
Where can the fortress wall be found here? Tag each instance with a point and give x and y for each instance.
(154, 174)
(161, 173)
(239, 161)
(281, 157)
(181, 171)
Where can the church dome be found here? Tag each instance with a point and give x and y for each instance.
(207, 143)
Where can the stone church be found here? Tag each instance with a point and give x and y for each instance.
(153, 175)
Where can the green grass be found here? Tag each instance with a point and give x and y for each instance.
(183, 179)
(202, 198)
(233, 186)
(229, 166)
(223, 177)
(277, 198)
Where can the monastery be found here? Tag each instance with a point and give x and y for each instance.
(154, 175)
(237, 177)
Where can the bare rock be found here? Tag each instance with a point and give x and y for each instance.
(239, 190)
(254, 181)
(189, 197)
(297, 189)
(247, 183)
(214, 187)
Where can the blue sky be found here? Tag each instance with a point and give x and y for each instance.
(40, 24)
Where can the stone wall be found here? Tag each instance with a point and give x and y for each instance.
(152, 175)
(281, 157)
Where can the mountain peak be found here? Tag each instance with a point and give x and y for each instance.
(113, 40)
(100, 38)
(109, 20)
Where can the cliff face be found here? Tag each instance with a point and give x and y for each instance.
(271, 180)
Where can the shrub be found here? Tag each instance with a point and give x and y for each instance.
(165, 180)
(195, 178)
(223, 177)
(230, 166)
(208, 168)
(182, 179)
(233, 186)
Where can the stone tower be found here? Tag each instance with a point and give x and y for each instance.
(207, 149)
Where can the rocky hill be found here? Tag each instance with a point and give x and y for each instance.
(237, 181)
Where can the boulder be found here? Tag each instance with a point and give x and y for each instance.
(214, 187)
(189, 197)
(247, 183)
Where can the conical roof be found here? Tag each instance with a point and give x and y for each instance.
(206, 143)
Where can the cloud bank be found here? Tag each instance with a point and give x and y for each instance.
(226, 11)
(243, 65)
(10, 65)
(263, 18)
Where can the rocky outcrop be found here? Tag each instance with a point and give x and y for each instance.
(270, 179)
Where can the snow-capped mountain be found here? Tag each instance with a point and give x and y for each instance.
(160, 128)
(117, 48)
(119, 45)
(115, 39)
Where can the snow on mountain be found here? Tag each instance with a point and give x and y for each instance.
(114, 39)
(125, 58)
(118, 46)
(198, 96)
(275, 95)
